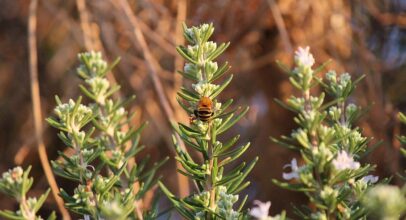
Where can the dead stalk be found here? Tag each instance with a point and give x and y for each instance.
(36, 107)
(153, 68)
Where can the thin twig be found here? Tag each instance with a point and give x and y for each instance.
(36, 106)
(281, 25)
(153, 67)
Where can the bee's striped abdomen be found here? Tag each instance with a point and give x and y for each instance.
(204, 114)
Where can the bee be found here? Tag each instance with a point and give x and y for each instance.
(89, 185)
(204, 110)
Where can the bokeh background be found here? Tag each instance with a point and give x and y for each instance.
(360, 37)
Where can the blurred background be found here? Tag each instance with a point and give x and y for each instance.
(360, 37)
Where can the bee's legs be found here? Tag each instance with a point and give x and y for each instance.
(192, 118)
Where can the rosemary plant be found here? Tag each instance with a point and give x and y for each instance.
(16, 183)
(217, 188)
(109, 184)
(330, 146)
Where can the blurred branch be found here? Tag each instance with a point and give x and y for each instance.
(84, 23)
(281, 25)
(36, 106)
(153, 67)
(385, 18)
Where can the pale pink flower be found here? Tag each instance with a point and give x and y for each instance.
(345, 161)
(370, 179)
(261, 211)
(294, 174)
(303, 57)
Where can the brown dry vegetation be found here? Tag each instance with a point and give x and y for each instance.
(360, 37)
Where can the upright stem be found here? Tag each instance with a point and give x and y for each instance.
(313, 138)
(306, 95)
(341, 105)
(209, 181)
(212, 188)
(82, 166)
(26, 211)
(78, 149)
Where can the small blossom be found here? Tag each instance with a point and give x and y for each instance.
(194, 34)
(120, 112)
(331, 76)
(261, 211)
(345, 78)
(72, 121)
(328, 194)
(225, 204)
(91, 64)
(345, 161)
(112, 209)
(217, 106)
(209, 47)
(294, 174)
(335, 113)
(13, 176)
(351, 110)
(193, 70)
(217, 122)
(303, 57)
(202, 126)
(211, 68)
(17, 174)
(204, 89)
(371, 179)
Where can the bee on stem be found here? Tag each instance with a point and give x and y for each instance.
(204, 110)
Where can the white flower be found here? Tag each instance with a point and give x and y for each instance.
(344, 161)
(303, 57)
(204, 88)
(351, 109)
(261, 211)
(370, 179)
(345, 78)
(294, 174)
(331, 76)
(13, 176)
